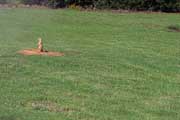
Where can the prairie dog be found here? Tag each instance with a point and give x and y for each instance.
(40, 45)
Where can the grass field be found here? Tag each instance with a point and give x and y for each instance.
(116, 66)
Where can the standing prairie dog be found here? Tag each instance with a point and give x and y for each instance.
(40, 45)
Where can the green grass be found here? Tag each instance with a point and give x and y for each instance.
(116, 66)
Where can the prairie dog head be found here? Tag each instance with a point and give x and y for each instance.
(39, 41)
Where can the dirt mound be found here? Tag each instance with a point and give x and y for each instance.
(37, 52)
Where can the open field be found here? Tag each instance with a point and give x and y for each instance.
(116, 66)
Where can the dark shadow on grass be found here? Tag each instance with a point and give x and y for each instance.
(10, 117)
(174, 28)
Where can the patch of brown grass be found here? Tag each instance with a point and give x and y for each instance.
(47, 106)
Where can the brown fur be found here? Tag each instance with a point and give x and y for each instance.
(40, 45)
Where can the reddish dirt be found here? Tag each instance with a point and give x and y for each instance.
(37, 52)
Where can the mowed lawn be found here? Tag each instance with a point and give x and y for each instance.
(116, 66)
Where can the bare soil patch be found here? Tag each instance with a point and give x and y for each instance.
(151, 26)
(37, 52)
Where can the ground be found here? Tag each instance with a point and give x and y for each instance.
(115, 66)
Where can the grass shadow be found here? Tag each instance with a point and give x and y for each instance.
(174, 28)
